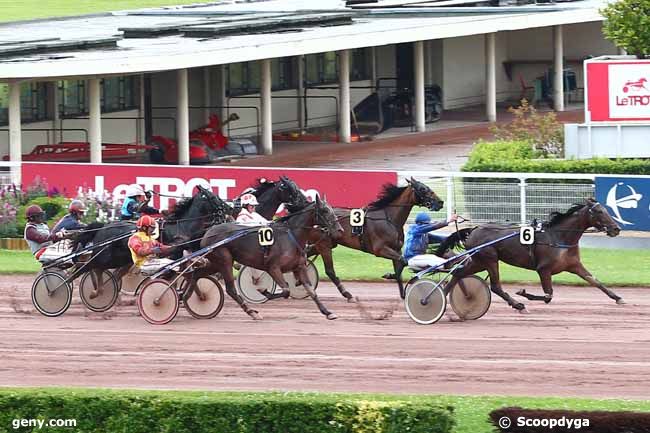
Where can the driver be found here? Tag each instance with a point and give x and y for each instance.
(145, 250)
(419, 237)
(247, 215)
(37, 233)
(72, 221)
(136, 203)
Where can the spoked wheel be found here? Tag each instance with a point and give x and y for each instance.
(51, 293)
(298, 291)
(425, 302)
(98, 298)
(158, 302)
(210, 303)
(470, 298)
(130, 282)
(251, 282)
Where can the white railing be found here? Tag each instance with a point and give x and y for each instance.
(9, 173)
(504, 197)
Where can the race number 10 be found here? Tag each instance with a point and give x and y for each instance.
(265, 236)
(527, 235)
(357, 217)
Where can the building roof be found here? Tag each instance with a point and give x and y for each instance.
(168, 38)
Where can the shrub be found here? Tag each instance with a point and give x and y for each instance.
(54, 208)
(627, 25)
(141, 411)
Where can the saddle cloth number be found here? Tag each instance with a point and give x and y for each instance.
(265, 236)
(357, 217)
(527, 235)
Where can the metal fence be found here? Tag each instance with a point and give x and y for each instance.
(9, 173)
(503, 197)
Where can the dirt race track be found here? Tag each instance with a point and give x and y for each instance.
(580, 345)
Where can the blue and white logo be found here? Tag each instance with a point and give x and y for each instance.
(627, 199)
(616, 200)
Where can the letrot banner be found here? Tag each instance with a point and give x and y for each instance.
(627, 199)
(344, 188)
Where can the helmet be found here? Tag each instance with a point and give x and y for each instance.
(134, 190)
(77, 206)
(422, 218)
(33, 211)
(247, 199)
(146, 221)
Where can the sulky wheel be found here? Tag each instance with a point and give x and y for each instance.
(470, 298)
(51, 293)
(158, 302)
(421, 310)
(252, 282)
(95, 297)
(298, 291)
(130, 283)
(207, 306)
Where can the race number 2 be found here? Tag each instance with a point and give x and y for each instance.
(265, 236)
(527, 235)
(357, 217)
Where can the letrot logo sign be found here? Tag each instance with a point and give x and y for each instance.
(629, 95)
(627, 200)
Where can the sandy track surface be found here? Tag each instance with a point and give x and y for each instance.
(580, 345)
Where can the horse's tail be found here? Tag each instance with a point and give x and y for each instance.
(86, 235)
(454, 240)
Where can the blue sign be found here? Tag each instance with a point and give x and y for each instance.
(627, 199)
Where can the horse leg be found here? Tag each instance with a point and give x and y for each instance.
(495, 286)
(547, 284)
(583, 273)
(229, 280)
(399, 263)
(328, 262)
(97, 280)
(302, 271)
(278, 277)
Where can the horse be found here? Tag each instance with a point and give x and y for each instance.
(271, 195)
(555, 249)
(191, 216)
(383, 230)
(287, 253)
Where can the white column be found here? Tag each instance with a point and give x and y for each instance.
(301, 92)
(221, 94)
(345, 134)
(15, 143)
(207, 100)
(183, 117)
(95, 120)
(141, 112)
(558, 69)
(418, 56)
(267, 119)
(373, 66)
(490, 77)
(428, 63)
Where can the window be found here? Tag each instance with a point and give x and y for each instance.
(360, 64)
(321, 68)
(117, 94)
(33, 103)
(246, 78)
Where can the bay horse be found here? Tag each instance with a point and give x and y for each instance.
(555, 249)
(271, 195)
(287, 253)
(383, 230)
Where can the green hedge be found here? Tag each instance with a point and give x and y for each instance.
(54, 207)
(518, 156)
(109, 411)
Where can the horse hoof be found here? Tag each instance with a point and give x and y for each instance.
(524, 311)
(254, 314)
(332, 316)
(286, 293)
(620, 301)
(353, 300)
(521, 292)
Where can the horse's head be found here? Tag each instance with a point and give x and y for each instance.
(209, 204)
(601, 219)
(326, 219)
(424, 196)
(290, 194)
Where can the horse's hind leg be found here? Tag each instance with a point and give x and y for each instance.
(547, 284)
(276, 273)
(326, 254)
(495, 286)
(583, 273)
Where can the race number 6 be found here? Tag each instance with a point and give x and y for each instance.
(265, 236)
(527, 235)
(357, 217)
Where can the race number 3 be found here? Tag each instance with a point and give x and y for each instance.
(527, 235)
(265, 236)
(357, 217)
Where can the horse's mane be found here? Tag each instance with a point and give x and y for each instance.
(557, 217)
(261, 187)
(180, 208)
(387, 195)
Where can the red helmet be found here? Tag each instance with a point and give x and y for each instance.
(33, 210)
(146, 221)
(76, 206)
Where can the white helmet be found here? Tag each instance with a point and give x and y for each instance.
(133, 190)
(247, 199)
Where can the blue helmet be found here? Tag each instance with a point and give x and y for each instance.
(422, 218)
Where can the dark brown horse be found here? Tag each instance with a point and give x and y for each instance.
(383, 230)
(286, 254)
(272, 194)
(555, 250)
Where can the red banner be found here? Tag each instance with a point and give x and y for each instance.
(345, 188)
